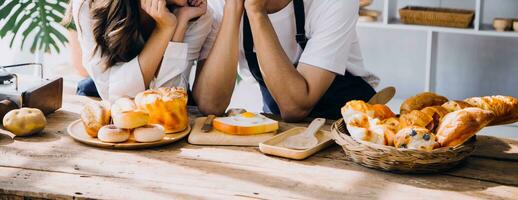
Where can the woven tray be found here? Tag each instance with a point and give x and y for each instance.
(389, 158)
(437, 16)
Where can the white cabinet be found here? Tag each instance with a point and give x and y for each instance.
(447, 60)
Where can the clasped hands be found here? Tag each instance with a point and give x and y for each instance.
(167, 20)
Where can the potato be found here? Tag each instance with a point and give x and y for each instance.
(24, 121)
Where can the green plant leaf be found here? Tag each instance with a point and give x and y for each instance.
(36, 20)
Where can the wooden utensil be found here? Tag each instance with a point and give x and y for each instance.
(383, 96)
(274, 146)
(207, 125)
(306, 139)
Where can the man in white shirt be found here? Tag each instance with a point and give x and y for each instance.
(305, 54)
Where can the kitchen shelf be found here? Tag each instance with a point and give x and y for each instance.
(486, 30)
(390, 20)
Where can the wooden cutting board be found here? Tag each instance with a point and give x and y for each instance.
(216, 138)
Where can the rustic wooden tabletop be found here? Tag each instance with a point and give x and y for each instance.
(53, 165)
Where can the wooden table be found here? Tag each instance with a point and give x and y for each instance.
(52, 165)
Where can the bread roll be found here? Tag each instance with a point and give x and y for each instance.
(130, 119)
(421, 101)
(452, 106)
(361, 127)
(505, 108)
(166, 106)
(375, 111)
(149, 133)
(126, 115)
(417, 138)
(111, 133)
(123, 105)
(457, 127)
(95, 115)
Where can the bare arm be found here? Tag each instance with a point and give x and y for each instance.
(216, 76)
(151, 55)
(296, 91)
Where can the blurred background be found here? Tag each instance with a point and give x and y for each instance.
(454, 62)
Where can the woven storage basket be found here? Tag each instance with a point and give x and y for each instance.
(437, 16)
(389, 158)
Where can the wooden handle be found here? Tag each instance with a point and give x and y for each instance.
(315, 125)
(207, 125)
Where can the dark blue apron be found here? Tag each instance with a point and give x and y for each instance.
(344, 88)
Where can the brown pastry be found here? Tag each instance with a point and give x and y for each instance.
(166, 106)
(452, 106)
(435, 110)
(457, 127)
(415, 138)
(505, 108)
(392, 123)
(415, 118)
(375, 111)
(421, 101)
(94, 116)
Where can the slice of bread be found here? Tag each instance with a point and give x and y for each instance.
(245, 124)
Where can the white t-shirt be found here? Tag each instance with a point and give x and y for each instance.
(330, 27)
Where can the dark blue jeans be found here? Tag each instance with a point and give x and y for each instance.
(87, 87)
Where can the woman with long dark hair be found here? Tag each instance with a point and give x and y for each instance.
(129, 46)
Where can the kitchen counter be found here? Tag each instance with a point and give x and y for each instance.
(53, 165)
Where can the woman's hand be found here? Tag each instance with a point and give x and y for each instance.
(195, 9)
(164, 19)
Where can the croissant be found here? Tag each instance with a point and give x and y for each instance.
(421, 101)
(505, 108)
(452, 106)
(428, 117)
(457, 127)
(415, 118)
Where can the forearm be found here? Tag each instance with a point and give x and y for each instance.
(286, 85)
(216, 79)
(151, 55)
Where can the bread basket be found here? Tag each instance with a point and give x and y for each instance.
(389, 158)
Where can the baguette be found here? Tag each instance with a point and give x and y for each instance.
(505, 108)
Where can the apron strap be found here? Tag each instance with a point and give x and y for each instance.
(248, 39)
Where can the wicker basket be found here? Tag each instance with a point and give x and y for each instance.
(437, 16)
(389, 158)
